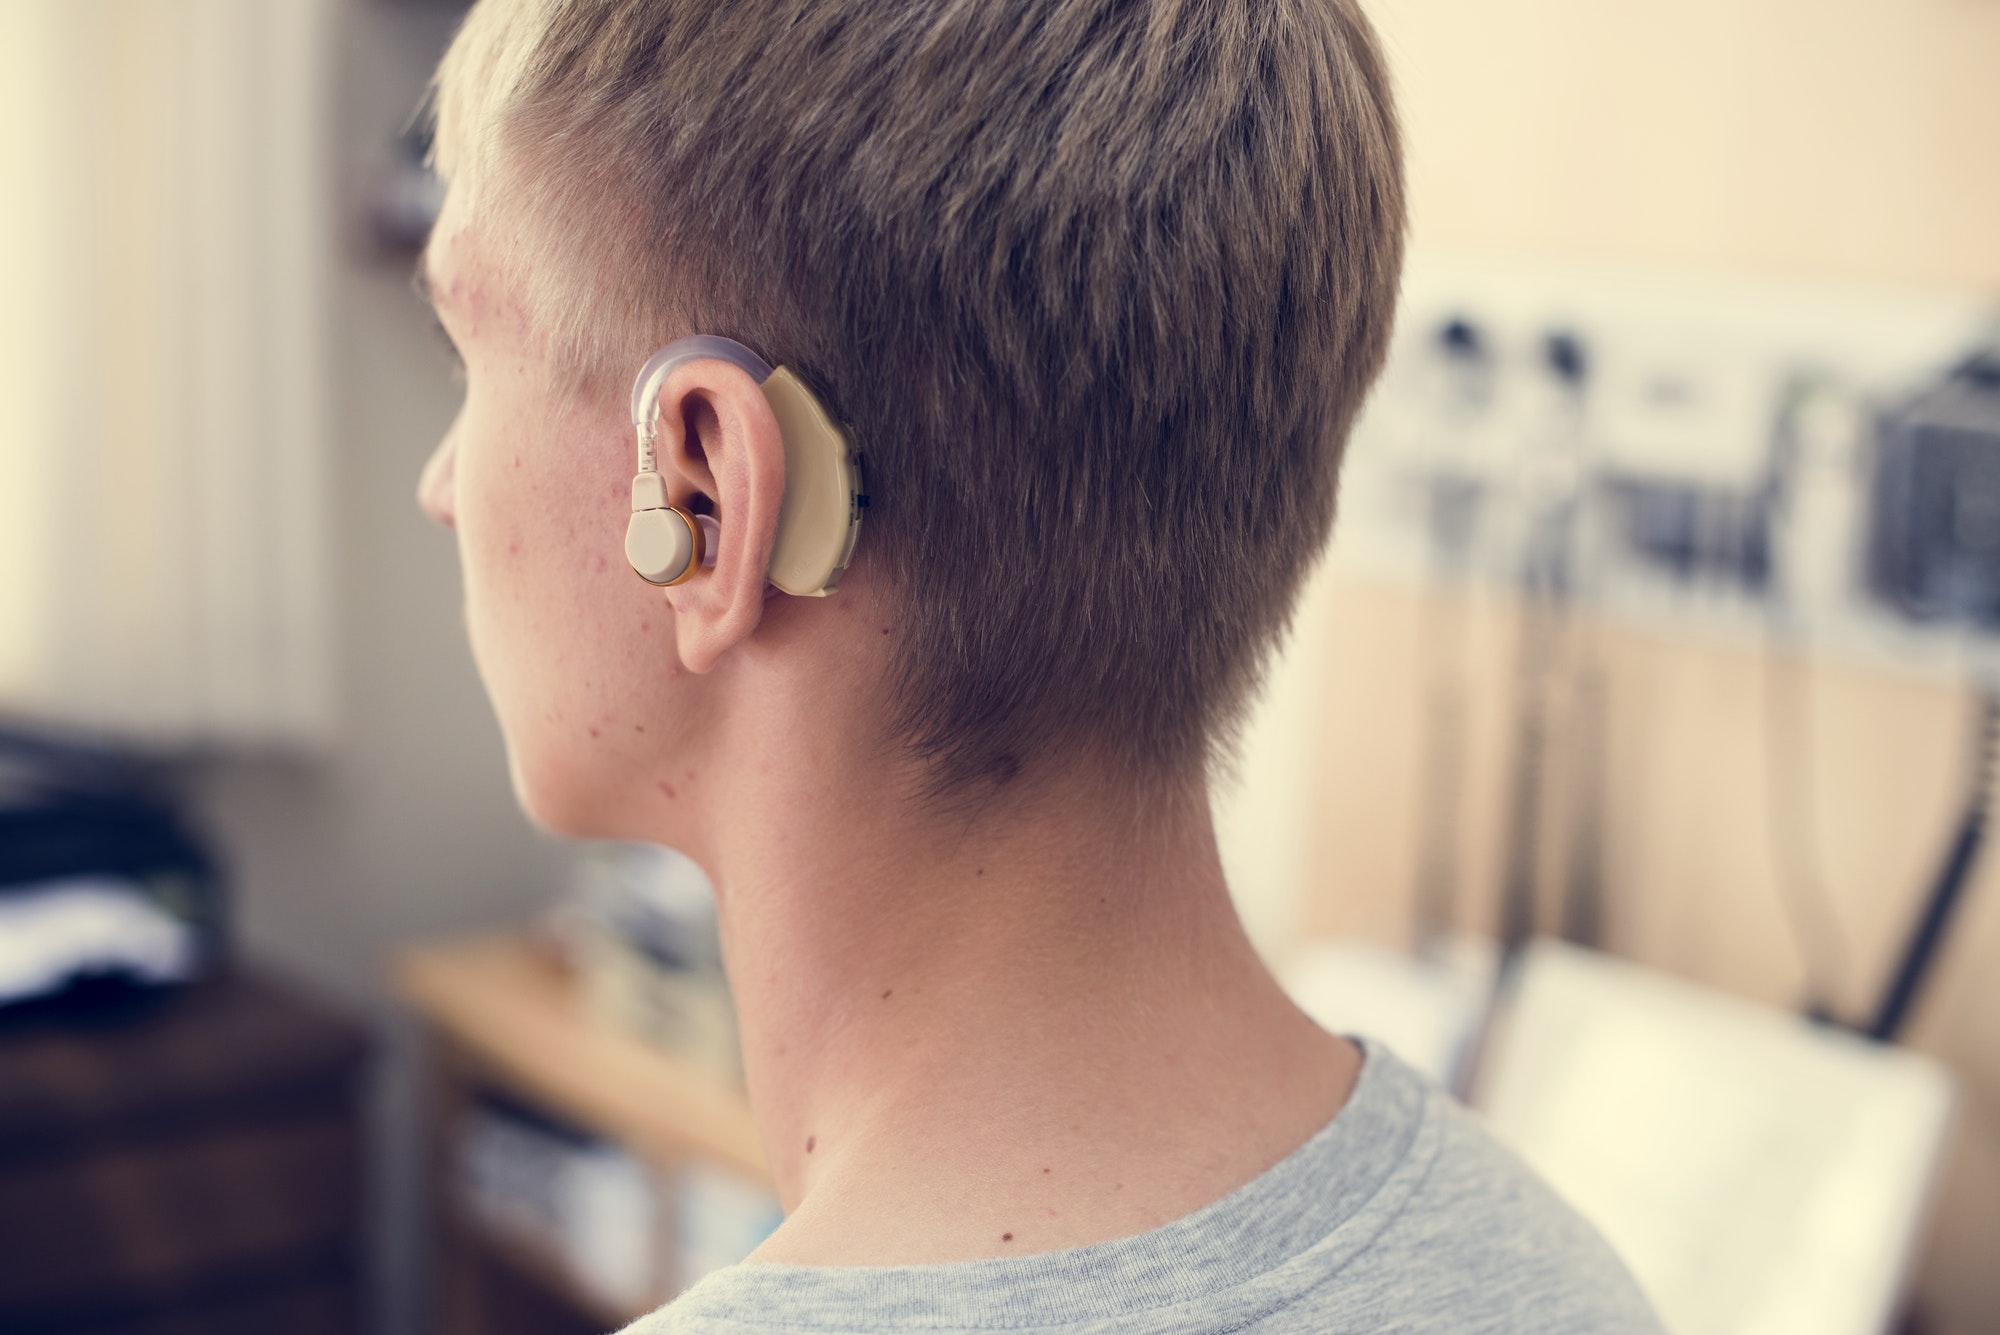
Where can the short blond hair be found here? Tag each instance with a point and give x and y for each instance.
(1099, 286)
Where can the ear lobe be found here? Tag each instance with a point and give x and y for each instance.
(717, 436)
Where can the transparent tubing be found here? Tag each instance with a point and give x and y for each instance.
(653, 375)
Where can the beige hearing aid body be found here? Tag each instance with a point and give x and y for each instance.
(819, 517)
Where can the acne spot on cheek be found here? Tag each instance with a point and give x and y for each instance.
(885, 630)
(517, 461)
(645, 625)
(602, 564)
(593, 732)
(513, 546)
(667, 790)
(812, 1142)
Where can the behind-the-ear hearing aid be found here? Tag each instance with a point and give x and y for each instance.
(821, 511)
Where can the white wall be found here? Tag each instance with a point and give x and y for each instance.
(163, 367)
(405, 827)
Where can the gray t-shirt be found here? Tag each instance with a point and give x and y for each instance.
(1402, 1214)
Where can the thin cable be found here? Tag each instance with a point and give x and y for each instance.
(1928, 933)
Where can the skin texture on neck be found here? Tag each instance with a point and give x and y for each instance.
(1025, 1029)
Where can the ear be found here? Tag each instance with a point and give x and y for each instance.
(718, 439)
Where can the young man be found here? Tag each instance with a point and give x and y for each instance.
(1097, 287)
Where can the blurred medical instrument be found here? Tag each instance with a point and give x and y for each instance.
(1816, 468)
(1813, 471)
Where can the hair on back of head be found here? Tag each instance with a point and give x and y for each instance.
(1099, 286)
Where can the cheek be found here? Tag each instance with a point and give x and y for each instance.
(576, 651)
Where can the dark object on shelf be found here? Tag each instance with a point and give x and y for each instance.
(1934, 530)
(191, 1163)
(100, 874)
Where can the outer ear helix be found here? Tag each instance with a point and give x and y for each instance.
(822, 506)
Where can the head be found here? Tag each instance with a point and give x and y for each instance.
(1098, 287)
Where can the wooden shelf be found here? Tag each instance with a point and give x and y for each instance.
(512, 1011)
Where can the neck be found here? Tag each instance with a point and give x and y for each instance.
(1033, 1028)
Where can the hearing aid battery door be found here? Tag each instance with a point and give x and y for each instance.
(820, 514)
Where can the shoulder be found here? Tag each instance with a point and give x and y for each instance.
(1403, 1216)
(1481, 1244)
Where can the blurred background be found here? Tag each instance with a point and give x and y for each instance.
(1628, 767)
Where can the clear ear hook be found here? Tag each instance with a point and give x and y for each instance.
(653, 377)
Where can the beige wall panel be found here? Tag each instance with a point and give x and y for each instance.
(1831, 137)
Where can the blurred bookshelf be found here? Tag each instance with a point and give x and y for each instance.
(182, 1159)
(582, 1176)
